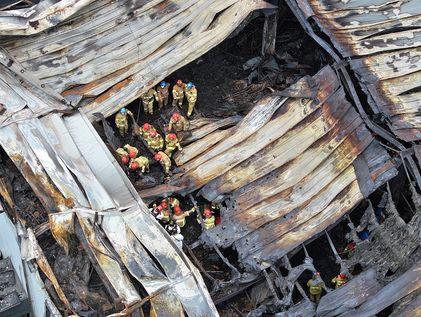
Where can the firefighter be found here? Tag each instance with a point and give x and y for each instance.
(177, 123)
(178, 93)
(141, 163)
(339, 280)
(315, 286)
(174, 202)
(131, 150)
(155, 141)
(164, 160)
(145, 130)
(162, 94)
(349, 249)
(148, 99)
(191, 95)
(162, 211)
(124, 156)
(209, 219)
(180, 217)
(121, 121)
(171, 143)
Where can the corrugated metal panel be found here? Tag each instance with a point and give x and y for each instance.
(59, 138)
(18, 149)
(383, 38)
(188, 283)
(141, 266)
(100, 161)
(108, 53)
(291, 177)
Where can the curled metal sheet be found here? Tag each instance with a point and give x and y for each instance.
(383, 41)
(188, 283)
(100, 161)
(108, 267)
(59, 138)
(27, 162)
(33, 132)
(141, 266)
(292, 177)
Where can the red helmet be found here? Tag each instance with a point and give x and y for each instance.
(157, 157)
(124, 160)
(207, 213)
(177, 210)
(179, 82)
(132, 154)
(172, 136)
(134, 166)
(146, 126)
(316, 274)
(175, 116)
(153, 133)
(164, 204)
(342, 276)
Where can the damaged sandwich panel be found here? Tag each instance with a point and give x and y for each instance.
(141, 266)
(383, 41)
(107, 266)
(15, 145)
(243, 145)
(188, 283)
(155, 39)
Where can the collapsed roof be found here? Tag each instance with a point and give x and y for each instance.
(292, 168)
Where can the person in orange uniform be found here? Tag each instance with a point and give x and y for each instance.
(315, 287)
(178, 93)
(191, 95)
(162, 94)
(165, 161)
(180, 217)
(171, 143)
(339, 280)
(177, 123)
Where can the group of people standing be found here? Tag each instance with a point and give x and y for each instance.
(161, 95)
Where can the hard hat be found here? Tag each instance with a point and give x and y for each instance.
(179, 82)
(163, 84)
(124, 160)
(190, 85)
(175, 116)
(132, 154)
(153, 133)
(177, 210)
(342, 276)
(316, 274)
(172, 136)
(123, 110)
(207, 212)
(146, 126)
(134, 166)
(158, 157)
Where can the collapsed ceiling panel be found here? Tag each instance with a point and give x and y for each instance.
(382, 40)
(140, 42)
(290, 169)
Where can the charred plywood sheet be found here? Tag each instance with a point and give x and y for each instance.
(140, 43)
(289, 176)
(383, 41)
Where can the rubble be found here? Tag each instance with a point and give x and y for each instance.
(284, 163)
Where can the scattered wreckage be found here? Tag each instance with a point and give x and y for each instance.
(290, 171)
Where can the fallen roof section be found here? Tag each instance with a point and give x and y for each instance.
(382, 40)
(47, 151)
(153, 36)
(290, 169)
